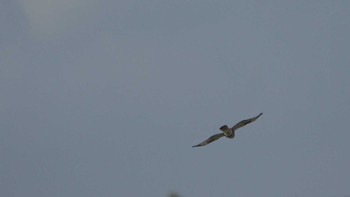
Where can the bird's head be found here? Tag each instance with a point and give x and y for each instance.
(224, 128)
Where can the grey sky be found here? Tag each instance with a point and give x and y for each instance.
(106, 98)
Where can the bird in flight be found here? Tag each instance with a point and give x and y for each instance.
(228, 132)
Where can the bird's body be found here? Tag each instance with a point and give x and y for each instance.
(228, 132)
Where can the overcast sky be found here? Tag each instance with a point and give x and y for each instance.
(106, 98)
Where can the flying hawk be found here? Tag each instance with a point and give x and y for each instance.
(228, 132)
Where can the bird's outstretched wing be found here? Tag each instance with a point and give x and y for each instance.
(211, 139)
(245, 122)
